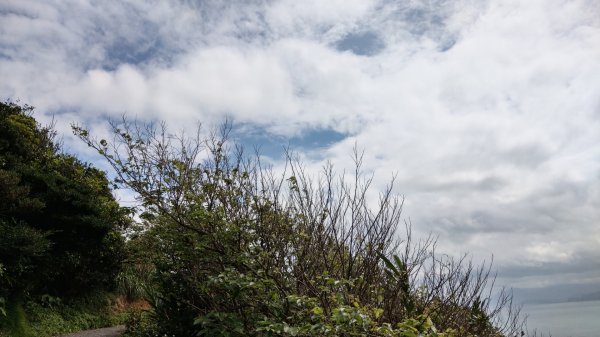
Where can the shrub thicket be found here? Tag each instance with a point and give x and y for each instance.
(237, 249)
(59, 222)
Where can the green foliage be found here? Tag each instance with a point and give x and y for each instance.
(142, 323)
(22, 249)
(15, 322)
(50, 316)
(58, 219)
(136, 277)
(398, 274)
(236, 251)
(132, 283)
(308, 318)
(3, 279)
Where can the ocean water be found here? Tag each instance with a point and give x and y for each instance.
(571, 319)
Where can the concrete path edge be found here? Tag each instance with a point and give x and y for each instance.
(114, 331)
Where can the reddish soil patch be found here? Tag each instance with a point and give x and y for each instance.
(122, 304)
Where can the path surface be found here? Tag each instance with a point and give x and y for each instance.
(114, 331)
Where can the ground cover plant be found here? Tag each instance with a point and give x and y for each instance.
(50, 316)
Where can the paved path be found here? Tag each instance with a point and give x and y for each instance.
(114, 331)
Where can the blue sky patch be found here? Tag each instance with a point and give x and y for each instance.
(363, 43)
(135, 52)
(273, 145)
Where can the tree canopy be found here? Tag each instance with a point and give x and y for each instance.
(58, 218)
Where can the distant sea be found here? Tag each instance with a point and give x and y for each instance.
(569, 319)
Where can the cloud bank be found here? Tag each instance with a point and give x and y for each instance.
(488, 112)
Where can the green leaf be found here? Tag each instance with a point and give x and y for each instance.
(388, 264)
(401, 266)
(317, 311)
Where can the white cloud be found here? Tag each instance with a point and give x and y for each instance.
(488, 111)
(313, 18)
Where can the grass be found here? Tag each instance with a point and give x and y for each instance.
(46, 318)
(15, 322)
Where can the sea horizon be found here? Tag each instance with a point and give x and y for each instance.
(564, 319)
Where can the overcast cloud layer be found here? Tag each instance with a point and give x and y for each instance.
(487, 111)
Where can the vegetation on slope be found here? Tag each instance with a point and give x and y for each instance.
(223, 246)
(59, 223)
(237, 249)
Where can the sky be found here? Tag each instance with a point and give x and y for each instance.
(487, 111)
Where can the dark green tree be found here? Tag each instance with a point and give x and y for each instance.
(59, 222)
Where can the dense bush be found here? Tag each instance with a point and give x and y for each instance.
(59, 222)
(241, 250)
(58, 219)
